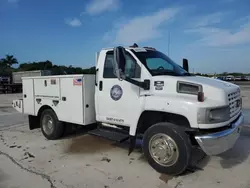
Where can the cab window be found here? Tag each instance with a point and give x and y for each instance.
(132, 69)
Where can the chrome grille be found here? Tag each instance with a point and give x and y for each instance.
(234, 102)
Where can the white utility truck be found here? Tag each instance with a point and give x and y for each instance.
(139, 92)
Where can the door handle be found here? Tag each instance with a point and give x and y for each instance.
(100, 85)
(96, 76)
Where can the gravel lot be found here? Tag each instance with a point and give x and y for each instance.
(28, 160)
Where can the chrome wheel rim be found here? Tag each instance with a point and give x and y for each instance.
(48, 124)
(163, 149)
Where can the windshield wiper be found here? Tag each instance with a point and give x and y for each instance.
(187, 74)
(172, 73)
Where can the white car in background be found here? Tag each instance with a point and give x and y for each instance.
(238, 78)
(230, 78)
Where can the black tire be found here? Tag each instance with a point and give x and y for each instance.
(182, 142)
(57, 126)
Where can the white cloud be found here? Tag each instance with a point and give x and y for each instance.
(243, 20)
(140, 29)
(207, 20)
(218, 37)
(74, 22)
(211, 35)
(100, 6)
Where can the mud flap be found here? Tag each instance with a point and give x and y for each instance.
(132, 144)
(34, 122)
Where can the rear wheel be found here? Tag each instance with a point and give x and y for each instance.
(51, 127)
(167, 148)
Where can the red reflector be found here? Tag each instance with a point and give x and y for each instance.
(200, 96)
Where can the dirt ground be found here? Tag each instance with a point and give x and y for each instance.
(28, 160)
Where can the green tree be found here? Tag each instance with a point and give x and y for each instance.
(6, 65)
(41, 65)
(9, 60)
(90, 70)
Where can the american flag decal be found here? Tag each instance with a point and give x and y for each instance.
(77, 82)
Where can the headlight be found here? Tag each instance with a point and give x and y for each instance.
(213, 115)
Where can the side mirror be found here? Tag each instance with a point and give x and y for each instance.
(185, 65)
(119, 62)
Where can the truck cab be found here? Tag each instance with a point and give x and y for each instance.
(151, 89)
(142, 92)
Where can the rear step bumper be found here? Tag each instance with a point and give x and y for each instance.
(18, 105)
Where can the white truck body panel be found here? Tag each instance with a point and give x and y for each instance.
(73, 102)
(44, 88)
(28, 97)
(70, 96)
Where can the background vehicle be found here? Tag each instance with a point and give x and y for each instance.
(4, 80)
(17, 76)
(238, 78)
(230, 78)
(14, 83)
(139, 92)
(221, 78)
(244, 78)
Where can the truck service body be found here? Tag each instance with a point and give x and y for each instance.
(140, 91)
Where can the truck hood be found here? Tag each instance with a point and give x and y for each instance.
(211, 82)
(214, 89)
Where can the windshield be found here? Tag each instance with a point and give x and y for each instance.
(159, 64)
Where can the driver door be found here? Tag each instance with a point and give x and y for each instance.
(118, 102)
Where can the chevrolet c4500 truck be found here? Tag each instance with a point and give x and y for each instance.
(139, 92)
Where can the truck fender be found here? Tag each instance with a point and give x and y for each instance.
(34, 121)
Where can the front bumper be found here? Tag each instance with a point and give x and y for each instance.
(219, 142)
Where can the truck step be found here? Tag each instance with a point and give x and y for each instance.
(110, 134)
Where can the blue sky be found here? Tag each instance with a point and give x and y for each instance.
(213, 35)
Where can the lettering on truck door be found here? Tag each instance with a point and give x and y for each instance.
(118, 101)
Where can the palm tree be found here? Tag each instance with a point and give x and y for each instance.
(8, 61)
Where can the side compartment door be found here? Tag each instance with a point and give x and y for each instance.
(28, 96)
(118, 101)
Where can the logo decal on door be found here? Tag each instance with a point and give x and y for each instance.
(116, 92)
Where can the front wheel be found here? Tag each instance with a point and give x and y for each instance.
(167, 148)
